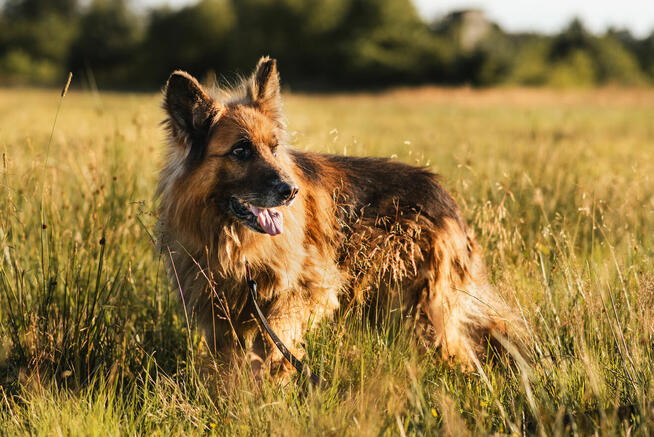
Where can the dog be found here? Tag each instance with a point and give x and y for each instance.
(318, 230)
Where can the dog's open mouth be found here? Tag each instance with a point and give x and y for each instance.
(265, 220)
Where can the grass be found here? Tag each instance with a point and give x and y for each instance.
(557, 184)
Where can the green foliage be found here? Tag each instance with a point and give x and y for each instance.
(579, 57)
(344, 42)
(319, 44)
(33, 46)
(614, 63)
(575, 68)
(530, 62)
(107, 43)
(193, 38)
(30, 9)
(645, 53)
(18, 67)
(396, 55)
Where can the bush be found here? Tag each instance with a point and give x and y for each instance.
(575, 69)
(530, 66)
(614, 63)
(18, 67)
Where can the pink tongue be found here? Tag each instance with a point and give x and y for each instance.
(270, 220)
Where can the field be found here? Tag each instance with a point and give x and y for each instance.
(558, 185)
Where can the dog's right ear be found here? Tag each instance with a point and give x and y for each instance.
(190, 109)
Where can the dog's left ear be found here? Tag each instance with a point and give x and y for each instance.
(264, 91)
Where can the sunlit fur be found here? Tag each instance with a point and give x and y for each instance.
(361, 230)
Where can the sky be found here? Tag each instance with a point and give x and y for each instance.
(534, 15)
(553, 15)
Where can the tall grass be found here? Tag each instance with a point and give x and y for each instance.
(557, 186)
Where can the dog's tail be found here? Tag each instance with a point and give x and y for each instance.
(468, 315)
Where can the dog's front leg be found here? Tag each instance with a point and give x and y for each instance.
(290, 316)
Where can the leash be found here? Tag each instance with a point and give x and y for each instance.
(301, 368)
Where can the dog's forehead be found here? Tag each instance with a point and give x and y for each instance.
(255, 125)
(241, 122)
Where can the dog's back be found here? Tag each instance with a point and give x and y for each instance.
(403, 234)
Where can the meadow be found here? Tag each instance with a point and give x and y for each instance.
(557, 184)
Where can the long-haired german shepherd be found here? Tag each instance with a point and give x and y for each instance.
(318, 230)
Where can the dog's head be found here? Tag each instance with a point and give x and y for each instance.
(229, 157)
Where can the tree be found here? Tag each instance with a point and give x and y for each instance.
(33, 9)
(385, 41)
(34, 39)
(108, 42)
(193, 38)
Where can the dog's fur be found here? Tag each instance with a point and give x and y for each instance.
(359, 229)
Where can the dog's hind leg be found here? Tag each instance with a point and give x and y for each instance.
(460, 303)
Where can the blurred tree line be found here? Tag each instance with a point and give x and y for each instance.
(319, 44)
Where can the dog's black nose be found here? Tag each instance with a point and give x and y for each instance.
(287, 191)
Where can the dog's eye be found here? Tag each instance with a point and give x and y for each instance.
(242, 150)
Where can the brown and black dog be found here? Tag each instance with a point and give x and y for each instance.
(318, 230)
